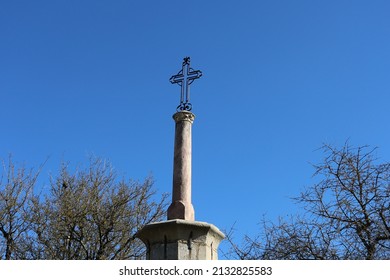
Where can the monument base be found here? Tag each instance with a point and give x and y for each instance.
(181, 240)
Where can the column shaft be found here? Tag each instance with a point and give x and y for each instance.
(181, 207)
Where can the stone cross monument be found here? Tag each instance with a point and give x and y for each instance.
(181, 237)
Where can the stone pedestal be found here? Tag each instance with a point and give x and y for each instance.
(181, 240)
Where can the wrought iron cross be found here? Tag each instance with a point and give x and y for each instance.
(184, 78)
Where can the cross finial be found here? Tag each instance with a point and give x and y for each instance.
(184, 78)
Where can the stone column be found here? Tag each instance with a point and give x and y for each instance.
(181, 207)
(181, 237)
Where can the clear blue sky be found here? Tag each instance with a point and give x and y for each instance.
(279, 79)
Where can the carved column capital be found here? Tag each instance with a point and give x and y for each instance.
(184, 116)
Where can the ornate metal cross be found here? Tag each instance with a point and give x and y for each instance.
(184, 78)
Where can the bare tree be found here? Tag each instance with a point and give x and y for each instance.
(16, 191)
(347, 213)
(90, 214)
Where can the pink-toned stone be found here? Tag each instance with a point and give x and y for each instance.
(181, 207)
(181, 237)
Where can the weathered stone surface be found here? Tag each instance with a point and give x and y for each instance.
(181, 240)
(181, 210)
(181, 237)
(181, 207)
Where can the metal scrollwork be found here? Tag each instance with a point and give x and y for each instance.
(184, 79)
